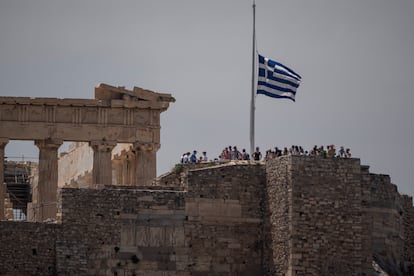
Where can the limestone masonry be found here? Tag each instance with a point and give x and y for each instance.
(293, 215)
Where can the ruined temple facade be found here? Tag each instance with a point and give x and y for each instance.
(293, 215)
(115, 115)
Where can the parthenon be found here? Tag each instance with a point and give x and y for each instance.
(115, 115)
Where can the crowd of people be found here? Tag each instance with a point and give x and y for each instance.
(232, 153)
(192, 158)
(227, 154)
(330, 151)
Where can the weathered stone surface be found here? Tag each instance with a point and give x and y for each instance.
(292, 216)
(28, 248)
(320, 219)
(102, 118)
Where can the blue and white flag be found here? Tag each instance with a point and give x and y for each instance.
(276, 80)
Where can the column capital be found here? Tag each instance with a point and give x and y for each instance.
(148, 147)
(100, 145)
(49, 143)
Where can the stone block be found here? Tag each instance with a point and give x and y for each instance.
(156, 236)
(178, 237)
(142, 236)
(191, 209)
(232, 210)
(209, 209)
(147, 198)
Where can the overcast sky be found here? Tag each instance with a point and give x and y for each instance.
(355, 57)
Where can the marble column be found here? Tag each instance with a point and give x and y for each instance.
(3, 143)
(145, 163)
(48, 179)
(124, 168)
(117, 172)
(102, 165)
(129, 169)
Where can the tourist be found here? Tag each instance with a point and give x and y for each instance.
(185, 158)
(268, 155)
(228, 153)
(294, 150)
(322, 152)
(235, 154)
(257, 155)
(314, 151)
(245, 155)
(341, 152)
(331, 151)
(193, 157)
(204, 157)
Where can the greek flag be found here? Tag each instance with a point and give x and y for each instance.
(276, 80)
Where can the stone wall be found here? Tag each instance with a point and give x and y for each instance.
(225, 211)
(280, 213)
(213, 227)
(172, 179)
(386, 210)
(27, 248)
(120, 231)
(320, 203)
(408, 221)
(295, 216)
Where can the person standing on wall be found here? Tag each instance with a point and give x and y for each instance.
(257, 155)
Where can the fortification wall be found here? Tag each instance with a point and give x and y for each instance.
(319, 228)
(295, 216)
(386, 210)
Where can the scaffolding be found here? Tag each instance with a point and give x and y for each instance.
(17, 179)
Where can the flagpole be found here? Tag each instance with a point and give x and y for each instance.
(252, 102)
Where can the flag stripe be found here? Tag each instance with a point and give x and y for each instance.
(276, 80)
(284, 95)
(276, 87)
(274, 64)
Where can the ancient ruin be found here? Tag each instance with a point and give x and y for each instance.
(116, 115)
(292, 215)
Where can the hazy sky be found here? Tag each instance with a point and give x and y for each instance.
(355, 57)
